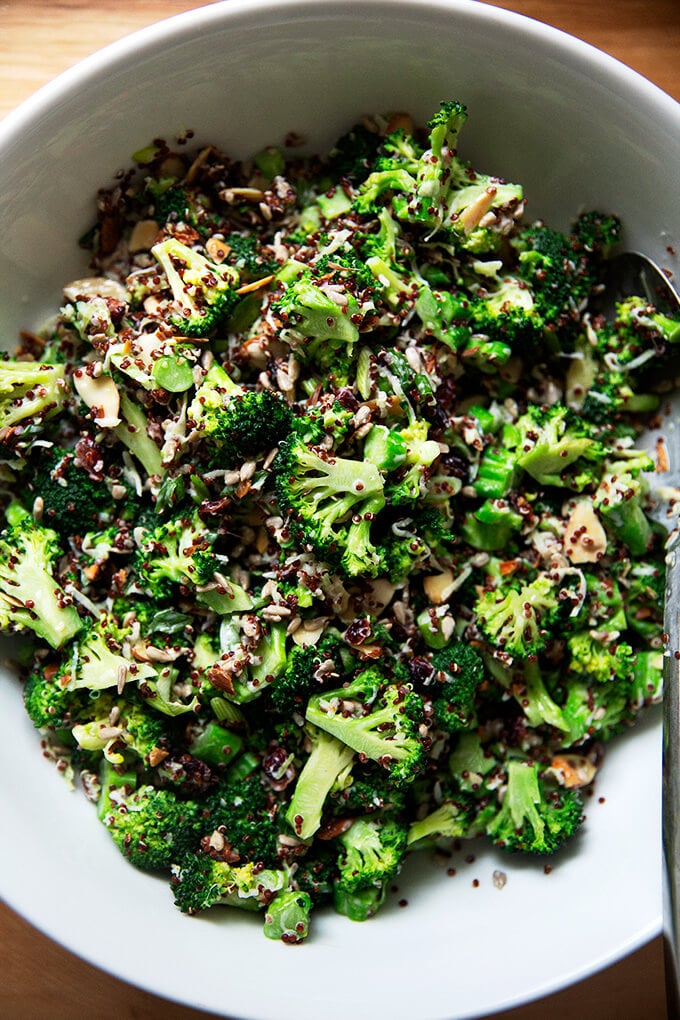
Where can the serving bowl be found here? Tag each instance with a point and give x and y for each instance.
(579, 131)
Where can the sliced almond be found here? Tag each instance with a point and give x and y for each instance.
(232, 195)
(585, 540)
(95, 286)
(217, 248)
(439, 587)
(101, 394)
(471, 216)
(572, 770)
(309, 633)
(143, 237)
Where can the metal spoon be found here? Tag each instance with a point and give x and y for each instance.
(633, 273)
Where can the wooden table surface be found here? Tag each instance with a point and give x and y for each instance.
(38, 40)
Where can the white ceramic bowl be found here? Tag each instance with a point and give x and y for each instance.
(578, 130)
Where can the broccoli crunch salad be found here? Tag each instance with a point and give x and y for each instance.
(326, 530)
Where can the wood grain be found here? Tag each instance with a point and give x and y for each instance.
(38, 40)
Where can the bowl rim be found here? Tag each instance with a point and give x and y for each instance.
(196, 22)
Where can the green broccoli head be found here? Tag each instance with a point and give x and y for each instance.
(73, 502)
(48, 698)
(244, 813)
(371, 855)
(200, 882)
(560, 272)
(331, 503)
(203, 292)
(380, 721)
(552, 439)
(178, 551)
(519, 617)
(598, 661)
(460, 670)
(532, 818)
(122, 729)
(152, 827)
(450, 196)
(31, 599)
(319, 328)
(302, 676)
(249, 424)
(30, 395)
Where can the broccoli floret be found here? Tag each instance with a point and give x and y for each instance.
(593, 709)
(152, 827)
(102, 659)
(292, 689)
(200, 882)
(317, 328)
(638, 334)
(30, 596)
(30, 394)
(329, 760)
(451, 820)
(203, 291)
(610, 394)
(414, 543)
(379, 721)
(552, 439)
(245, 815)
(401, 147)
(383, 182)
(180, 552)
(331, 503)
(170, 201)
(246, 254)
(450, 196)
(532, 818)
(519, 617)
(239, 423)
(410, 480)
(460, 670)
(118, 726)
(506, 315)
(352, 154)
(48, 699)
(598, 232)
(620, 501)
(561, 272)
(368, 789)
(372, 853)
(287, 917)
(598, 661)
(73, 502)
(344, 268)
